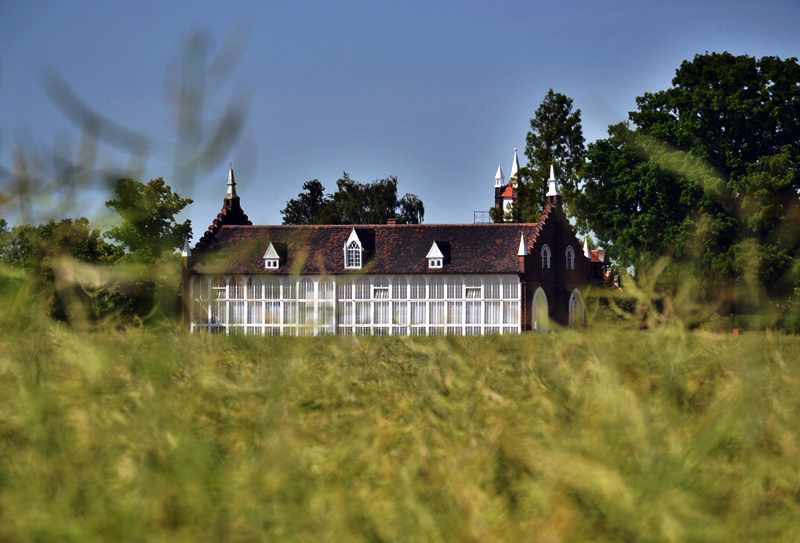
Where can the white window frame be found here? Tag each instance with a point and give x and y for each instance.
(271, 258)
(570, 254)
(420, 304)
(353, 252)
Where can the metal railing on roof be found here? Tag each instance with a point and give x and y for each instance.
(481, 217)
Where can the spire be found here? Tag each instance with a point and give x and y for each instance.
(586, 252)
(231, 185)
(522, 249)
(499, 177)
(553, 190)
(187, 251)
(514, 169)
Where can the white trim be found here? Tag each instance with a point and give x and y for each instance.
(271, 258)
(570, 257)
(420, 304)
(353, 252)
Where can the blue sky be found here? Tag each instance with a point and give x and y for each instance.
(436, 93)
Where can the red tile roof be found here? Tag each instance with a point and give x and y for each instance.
(391, 249)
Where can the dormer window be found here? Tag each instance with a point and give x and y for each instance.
(353, 254)
(545, 257)
(570, 254)
(435, 256)
(272, 259)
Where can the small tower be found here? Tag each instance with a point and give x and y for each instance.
(512, 179)
(499, 178)
(553, 193)
(506, 194)
(231, 200)
(232, 214)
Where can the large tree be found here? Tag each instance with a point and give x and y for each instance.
(555, 139)
(148, 227)
(353, 203)
(706, 172)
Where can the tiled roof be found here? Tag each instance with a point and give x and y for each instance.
(390, 249)
(508, 192)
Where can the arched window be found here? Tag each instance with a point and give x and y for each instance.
(545, 257)
(577, 309)
(541, 314)
(353, 255)
(570, 258)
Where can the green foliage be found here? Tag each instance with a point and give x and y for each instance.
(706, 174)
(148, 227)
(150, 234)
(353, 203)
(555, 139)
(52, 254)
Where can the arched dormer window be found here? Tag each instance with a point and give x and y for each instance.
(570, 253)
(353, 255)
(353, 252)
(545, 257)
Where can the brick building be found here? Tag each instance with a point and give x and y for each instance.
(387, 279)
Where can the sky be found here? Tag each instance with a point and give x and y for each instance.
(437, 93)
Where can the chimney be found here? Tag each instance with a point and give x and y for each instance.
(391, 221)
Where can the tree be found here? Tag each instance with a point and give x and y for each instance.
(310, 207)
(706, 173)
(353, 203)
(39, 250)
(555, 138)
(148, 228)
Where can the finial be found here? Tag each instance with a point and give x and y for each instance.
(553, 190)
(231, 184)
(187, 251)
(514, 169)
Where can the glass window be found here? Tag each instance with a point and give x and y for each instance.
(353, 255)
(306, 289)
(417, 288)
(570, 258)
(362, 288)
(436, 288)
(399, 288)
(380, 288)
(545, 257)
(455, 288)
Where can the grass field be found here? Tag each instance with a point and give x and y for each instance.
(605, 435)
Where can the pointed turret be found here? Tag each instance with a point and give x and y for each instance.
(231, 185)
(187, 251)
(499, 178)
(586, 252)
(553, 193)
(553, 189)
(231, 214)
(512, 179)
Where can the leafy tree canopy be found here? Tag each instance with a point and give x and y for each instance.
(706, 172)
(353, 203)
(148, 227)
(35, 248)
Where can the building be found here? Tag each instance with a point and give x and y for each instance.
(385, 279)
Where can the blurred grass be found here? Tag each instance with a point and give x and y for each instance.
(610, 435)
